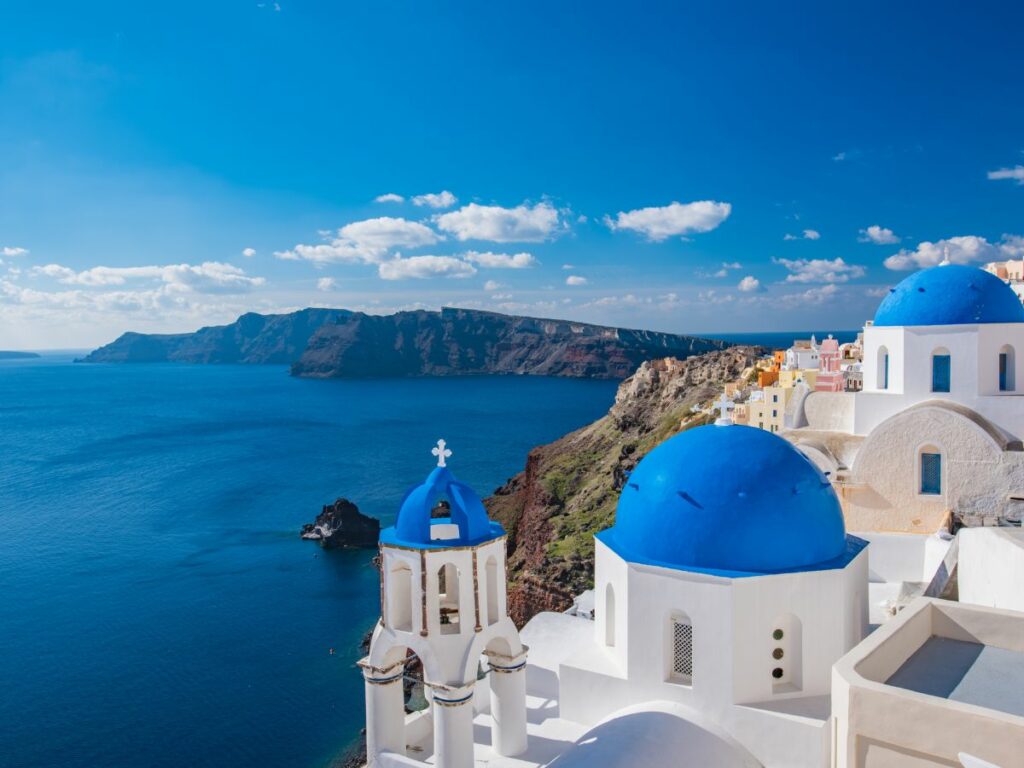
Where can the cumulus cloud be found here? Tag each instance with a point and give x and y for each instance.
(524, 223)
(818, 295)
(878, 235)
(208, 277)
(960, 250)
(365, 242)
(492, 285)
(444, 199)
(12, 251)
(1016, 174)
(248, 252)
(501, 260)
(660, 223)
(575, 280)
(839, 157)
(400, 268)
(807, 234)
(820, 270)
(326, 284)
(390, 197)
(749, 284)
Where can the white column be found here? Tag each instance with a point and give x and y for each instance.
(453, 726)
(385, 711)
(508, 704)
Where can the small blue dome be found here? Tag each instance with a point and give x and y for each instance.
(728, 499)
(413, 526)
(951, 294)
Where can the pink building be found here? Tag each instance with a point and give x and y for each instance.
(830, 377)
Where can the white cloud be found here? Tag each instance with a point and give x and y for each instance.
(660, 223)
(501, 296)
(575, 280)
(820, 270)
(731, 265)
(365, 242)
(523, 223)
(878, 235)
(807, 234)
(1012, 246)
(326, 284)
(443, 199)
(568, 266)
(248, 252)
(1016, 174)
(961, 250)
(208, 277)
(11, 251)
(501, 260)
(400, 268)
(492, 285)
(839, 157)
(390, 197)
(749, 284)
(818, 295)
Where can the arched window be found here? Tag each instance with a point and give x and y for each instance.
(399, 597)
(1007, 369)
(491, 574)
(940, 370)
(680, 648)
(448, 599)
(786, 659)
(930, 461)
(609, 616)
(883, 367)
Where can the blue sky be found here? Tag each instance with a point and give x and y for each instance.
(719, 167)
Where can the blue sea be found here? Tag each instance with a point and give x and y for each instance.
(157, 607)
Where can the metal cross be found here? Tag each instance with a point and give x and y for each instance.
(724, 405)
(441, 452)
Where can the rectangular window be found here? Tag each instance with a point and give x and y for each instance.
(682, 650)
(940, 373)
(775, 414)
(885, 379)
(1003, 381)
(931, 474)
(775, 398)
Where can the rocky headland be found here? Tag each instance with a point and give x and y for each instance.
(328, 343)
(569, 488)
(341, 525)
(13, 355)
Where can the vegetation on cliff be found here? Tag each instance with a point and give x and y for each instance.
(569, 488)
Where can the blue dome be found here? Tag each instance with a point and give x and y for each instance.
(951, 294)
(413, 526)
(728, 499)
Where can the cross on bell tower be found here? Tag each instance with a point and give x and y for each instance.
(442, 452)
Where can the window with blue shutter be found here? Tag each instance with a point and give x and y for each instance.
(940, 373)
(931, 474)
(1004, 385)
(885, 372)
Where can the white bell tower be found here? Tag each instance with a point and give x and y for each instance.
(443, 597)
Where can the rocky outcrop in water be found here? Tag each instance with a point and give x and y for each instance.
(324, 343)
(342, 525)
(569, 489)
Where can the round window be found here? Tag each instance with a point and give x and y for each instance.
(777, 673)
(777, 653)
(777, 634)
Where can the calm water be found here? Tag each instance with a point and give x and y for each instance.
(157, 607)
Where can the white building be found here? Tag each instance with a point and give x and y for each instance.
(803, 355)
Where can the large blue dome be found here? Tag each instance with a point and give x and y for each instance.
(951, 294)
(728, 499)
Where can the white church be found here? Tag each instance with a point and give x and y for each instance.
(786, 610)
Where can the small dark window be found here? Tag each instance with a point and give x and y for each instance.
(778, 634)
(931, 474)
(940, 373)
(777, 673)
(777, 654)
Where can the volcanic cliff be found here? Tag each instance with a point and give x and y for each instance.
(569, 488)
(328, 343)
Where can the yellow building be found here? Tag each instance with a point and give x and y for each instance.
(768, 411)
(789, 378)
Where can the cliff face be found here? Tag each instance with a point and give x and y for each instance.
(460, 342)
(569, 488)
(252, 338)
(338, 343)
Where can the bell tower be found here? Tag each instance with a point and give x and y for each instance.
(443, 597)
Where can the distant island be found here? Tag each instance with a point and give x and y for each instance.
(338, 343)
(12, 355)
